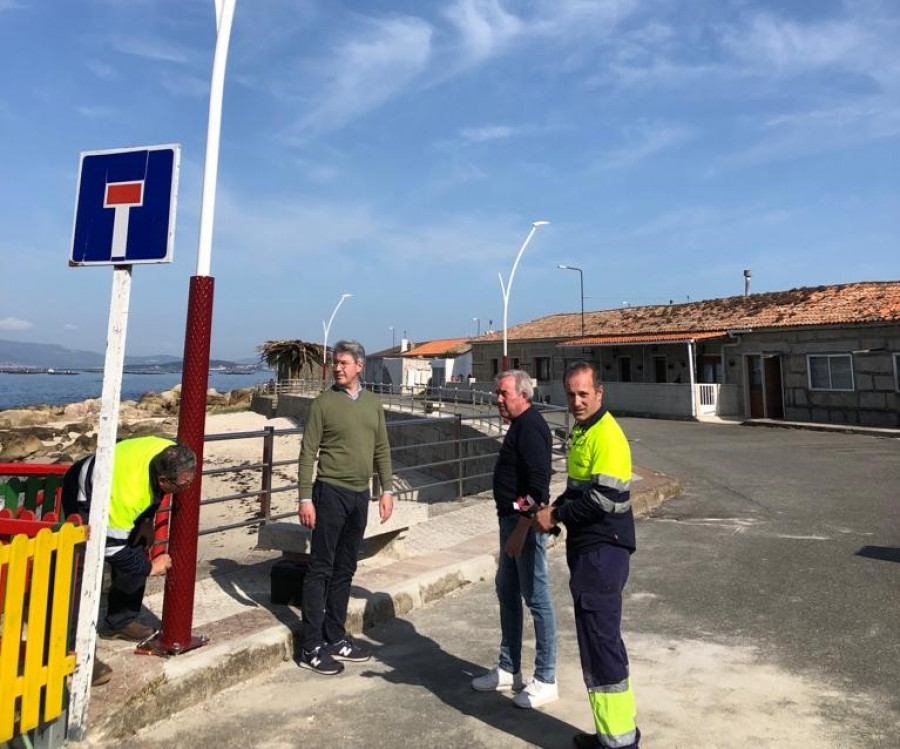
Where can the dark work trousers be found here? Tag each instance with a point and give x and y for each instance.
(123, 604)
(341, 516)
(597, 580)
(126, 589)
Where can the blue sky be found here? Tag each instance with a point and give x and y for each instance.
(399, 151)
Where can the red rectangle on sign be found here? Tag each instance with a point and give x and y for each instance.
(124, 193)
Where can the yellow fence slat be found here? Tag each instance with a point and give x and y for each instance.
(38, 592)
(10, 681)
(38, 574)
(59, 663)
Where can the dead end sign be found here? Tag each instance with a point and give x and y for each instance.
(125, 206)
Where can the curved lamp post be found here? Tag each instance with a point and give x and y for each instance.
(327, 328)
(581, 284)
(506, 288)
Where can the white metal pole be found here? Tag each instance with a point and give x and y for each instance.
(328, 326)
(224, 19)
(690, 351)
(506, 289)
(92, 580)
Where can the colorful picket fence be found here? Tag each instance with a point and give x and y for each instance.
(37, 581)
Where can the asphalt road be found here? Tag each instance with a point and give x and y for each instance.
(761, 612)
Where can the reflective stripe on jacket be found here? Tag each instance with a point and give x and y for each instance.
(597, 500)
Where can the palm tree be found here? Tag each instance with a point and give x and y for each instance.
(292, 360)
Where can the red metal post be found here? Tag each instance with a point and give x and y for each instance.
(178, 604)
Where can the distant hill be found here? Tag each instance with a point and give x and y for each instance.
(19, 355)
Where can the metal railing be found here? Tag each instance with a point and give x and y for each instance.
(459, 458)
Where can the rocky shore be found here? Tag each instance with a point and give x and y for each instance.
(62, 434)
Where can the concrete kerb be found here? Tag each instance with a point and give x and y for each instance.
(246, 644)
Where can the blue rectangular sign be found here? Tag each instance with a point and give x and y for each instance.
(125, 206)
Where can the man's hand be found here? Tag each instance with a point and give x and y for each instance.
(160, 565)
(385, 506)
(308, 515)
(542, 521)
(516, 541)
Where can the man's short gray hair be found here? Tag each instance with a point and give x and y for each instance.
(523, 381)
(354, 348)
(174, 461)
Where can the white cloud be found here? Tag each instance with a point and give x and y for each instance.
(184, 84)
(152, 49)
(98, 112)
(102, 70)
(15, 323)
(488, 132)
(644, 140)
(365, 71)
(70, 326)
(484, 27)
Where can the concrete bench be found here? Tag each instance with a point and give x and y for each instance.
(386, 539)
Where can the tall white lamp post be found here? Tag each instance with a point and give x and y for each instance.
(581, 283)
(477, 321)
(327, 329)
(506, 288)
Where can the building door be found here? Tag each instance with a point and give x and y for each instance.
(659, 369)
(773, 390)
(624, 369)
(755, 387)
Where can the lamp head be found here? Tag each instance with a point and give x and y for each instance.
(536, 224)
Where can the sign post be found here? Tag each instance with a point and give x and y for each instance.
(124, 214)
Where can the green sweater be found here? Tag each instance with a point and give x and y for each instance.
(348, 436)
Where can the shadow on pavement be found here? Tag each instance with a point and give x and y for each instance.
(882, 553)
(419, 661)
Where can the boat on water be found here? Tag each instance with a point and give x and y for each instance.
(61, 371)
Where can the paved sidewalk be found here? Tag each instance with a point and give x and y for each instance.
(248, 634)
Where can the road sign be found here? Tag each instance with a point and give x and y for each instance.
(125, 206)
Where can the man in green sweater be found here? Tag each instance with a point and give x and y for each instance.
(346, 432)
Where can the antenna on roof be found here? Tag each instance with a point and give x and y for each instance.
(747, 275)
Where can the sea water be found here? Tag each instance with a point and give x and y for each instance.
(17, 390)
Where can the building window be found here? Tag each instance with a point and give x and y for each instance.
(515, 363)
(542, 367)
(495, 367)
(624, 369)
(830, 371)
(897, 372)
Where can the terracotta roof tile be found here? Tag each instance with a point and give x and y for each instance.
(440, 348)
(846, 304)
(644, 338)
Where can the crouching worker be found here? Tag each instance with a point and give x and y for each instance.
(145, 470)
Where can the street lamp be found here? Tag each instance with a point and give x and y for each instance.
(581, 283)
(478, 326)
(505, 289)
(327, 328)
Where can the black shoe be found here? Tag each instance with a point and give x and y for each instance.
(133, 632)
(320, 661)
(347, 650)
(586, 741)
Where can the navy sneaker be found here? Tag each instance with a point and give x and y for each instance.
(347, 650)
(320, 661)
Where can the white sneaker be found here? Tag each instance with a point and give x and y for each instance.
(497, 680)
(535, 694)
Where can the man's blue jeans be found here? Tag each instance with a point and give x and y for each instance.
(526, 577)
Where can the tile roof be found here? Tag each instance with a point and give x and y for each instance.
(610, 340)
(846, 304)
(440, 348)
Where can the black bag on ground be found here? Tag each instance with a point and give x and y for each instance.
(287, 581)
